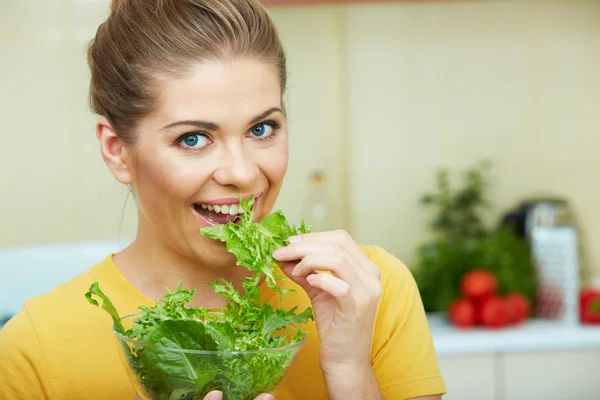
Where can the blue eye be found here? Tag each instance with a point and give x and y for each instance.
(262, 131)
(194, 141)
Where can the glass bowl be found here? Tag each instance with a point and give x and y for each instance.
(167, 373)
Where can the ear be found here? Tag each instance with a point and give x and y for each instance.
(115, 153)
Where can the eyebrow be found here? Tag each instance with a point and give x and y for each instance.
(215, 127)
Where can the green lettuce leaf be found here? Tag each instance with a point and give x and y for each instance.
(107, 305)
(273, 320)
(253, 243)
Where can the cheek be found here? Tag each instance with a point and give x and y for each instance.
(160, 179)
(276, 163)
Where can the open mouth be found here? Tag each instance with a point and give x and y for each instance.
(213, 214)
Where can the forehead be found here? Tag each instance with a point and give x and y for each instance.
(229, 92)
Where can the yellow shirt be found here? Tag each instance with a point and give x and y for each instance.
(60, 347)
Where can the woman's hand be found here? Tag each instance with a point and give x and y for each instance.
(217, 395)
(344, 303)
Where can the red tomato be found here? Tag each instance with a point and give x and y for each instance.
(494, 313)
(478, 284)
(589, 306)
(478, 304)
(517, 307)
(462, 313)
(587, 293)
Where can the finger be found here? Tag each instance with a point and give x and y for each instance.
(327, 256)
(265, 396)
(345, 241)
(214, 395)
(339, 237)
(336, 287)
(300, 280)
(337, 263)
(299, 250)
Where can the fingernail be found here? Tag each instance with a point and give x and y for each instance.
(310, 278)
(296, 271)
(293, 239)
(215, 395)
(267, 397)
(279, 252)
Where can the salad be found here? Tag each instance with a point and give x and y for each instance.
(177, 351)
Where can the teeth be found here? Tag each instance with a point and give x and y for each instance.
(232, 209)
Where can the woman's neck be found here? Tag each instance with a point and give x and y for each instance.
(151, 266)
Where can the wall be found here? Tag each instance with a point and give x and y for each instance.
(55, 184)
(390, 90)
(450, 83)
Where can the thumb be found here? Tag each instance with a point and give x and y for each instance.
(214, 395)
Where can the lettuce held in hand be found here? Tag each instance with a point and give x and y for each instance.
(253, 244)
(239, 342)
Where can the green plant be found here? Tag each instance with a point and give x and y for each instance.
(459, 210)
(462, 243)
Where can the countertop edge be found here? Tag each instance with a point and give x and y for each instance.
(532, 336)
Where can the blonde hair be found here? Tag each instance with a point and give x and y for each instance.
(143, 40)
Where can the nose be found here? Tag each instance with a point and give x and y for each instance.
(237, 168)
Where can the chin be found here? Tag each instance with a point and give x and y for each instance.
(215, 255)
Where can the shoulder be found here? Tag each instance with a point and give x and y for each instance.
(29, 339)
(394, 273)
(18, 330)
(22, 365)
(63, 302)
(51, 315)
(50, 310)
(403, 353)
(49, 340)
(400, 307)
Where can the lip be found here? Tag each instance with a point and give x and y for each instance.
(229, 200)
(220, 202)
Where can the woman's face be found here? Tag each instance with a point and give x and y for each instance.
(219, 132)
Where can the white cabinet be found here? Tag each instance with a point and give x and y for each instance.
(540, 360)
(557, 375)
(540, 375)
(469, 377)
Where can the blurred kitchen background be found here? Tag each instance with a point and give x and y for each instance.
(455, 134)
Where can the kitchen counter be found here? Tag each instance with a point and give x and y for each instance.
(541, 359)
(534, 335)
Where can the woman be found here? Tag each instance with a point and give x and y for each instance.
(189, 95)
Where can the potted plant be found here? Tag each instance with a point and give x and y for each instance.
(462, 242)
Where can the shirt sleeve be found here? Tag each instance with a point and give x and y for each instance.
(23, 372)
(403, 356)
